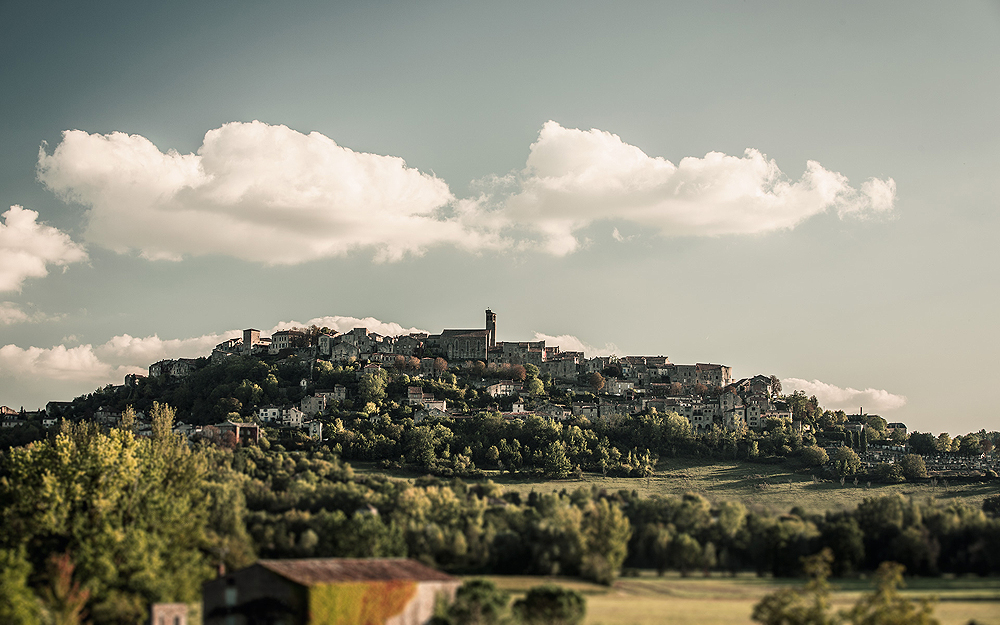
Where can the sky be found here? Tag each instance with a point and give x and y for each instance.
(799, 189)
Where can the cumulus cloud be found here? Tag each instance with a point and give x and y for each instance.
(253, 191)
(570, 343)
(109, 362)
(270, 194)
(56, 363)
(836, 398)
(346, 324)
(27, 248)
(11, 313)
(574, 178)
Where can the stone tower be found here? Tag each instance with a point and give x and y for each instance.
(491, 327)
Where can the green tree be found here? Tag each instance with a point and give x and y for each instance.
(131, 511)
(885, 606)
(789, 606)
(479, 602)
(606, 531)
(18, 603)
(814, 456)
(557, 464)
(371, 386)
(913, 466)
(846, 461)
(551, 605)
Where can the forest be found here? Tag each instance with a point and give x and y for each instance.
(107, 522)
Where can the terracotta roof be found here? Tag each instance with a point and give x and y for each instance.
(327, 570)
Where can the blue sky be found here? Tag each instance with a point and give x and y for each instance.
(580, 168)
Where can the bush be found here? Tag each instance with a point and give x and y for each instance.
(551, 605)
(814, 456)
(912, 466)
(888, 473)
(991, 505)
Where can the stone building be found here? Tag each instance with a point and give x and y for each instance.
(318, 591)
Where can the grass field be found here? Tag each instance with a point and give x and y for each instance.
(775, 487)
(729, 601)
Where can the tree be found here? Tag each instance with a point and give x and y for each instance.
(64, 598)
(479, 602)
(913, 466)
(595, 381)
(551, 605)
(685, 553)
(943, 443)
(606, 532)
(535, 387)
(814, 456)
(970, 445)
(371, 387)
(789, 606)
(922, 443)
(846, 461)
(557, 464)
(18, 604)
(131, 511)
(885, 606)
(440, 365)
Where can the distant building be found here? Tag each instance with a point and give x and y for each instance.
(327, 590)
(178, 368)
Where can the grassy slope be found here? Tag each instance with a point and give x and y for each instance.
(742, 482)
(729, 601)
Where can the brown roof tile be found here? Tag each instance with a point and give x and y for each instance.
(327, 570)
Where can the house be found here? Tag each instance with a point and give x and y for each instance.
(178, 368)
(614, 386)
(339, 392)
(245, 432)
(168, 614)
(344, 352)
(327, 590)
(554, 411)
(415, 396)
(288, 339)
(314, 404)
(502, 388)
(892, 428)
(314, 429)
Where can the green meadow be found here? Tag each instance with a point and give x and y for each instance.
(672, 599)
(775, 487)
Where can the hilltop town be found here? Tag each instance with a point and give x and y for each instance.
(703, 393)
(298, 381)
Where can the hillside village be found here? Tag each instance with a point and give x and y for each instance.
(637, 383)
(459, 373)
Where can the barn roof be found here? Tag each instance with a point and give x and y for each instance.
(330, 570)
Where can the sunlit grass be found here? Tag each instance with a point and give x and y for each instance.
(671, 599)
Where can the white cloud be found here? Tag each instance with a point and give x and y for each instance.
(270, 194)
(128, 350)
(253, 191)
(11, 313)
(570, 343)
(848, 399)
(40, 374)
(27, 248)
(574, 178)
(346, 324)
(57, 363)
